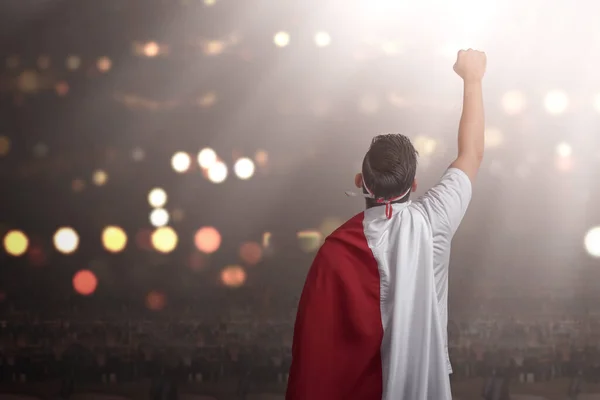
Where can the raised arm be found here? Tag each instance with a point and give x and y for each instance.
(470, 66)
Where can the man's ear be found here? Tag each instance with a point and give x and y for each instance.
(358, 180)
(413, 188)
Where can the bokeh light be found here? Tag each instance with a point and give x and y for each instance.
(217, 173)
(61, 88)
(233, 276)
(159, 217)
(66, 240)
(164, 239)
(114, 239)
(207, 239)
(426, 146)
(181, 162)
(309, 241)
(514, 102)
(261, 158)
(4, 146)
(151, 49)
(157, 197)
(251, 253)
(206, 158)
(99, 177)
(36, 255)
(40, 150)
(156, 301)
(43, 62)
(73, 62)
(322, 39)
(138, 154)
(564, 150)
(244, 168)
(85, 282)
(493, 137)
(329, 225)
(592, 242)
(266, 240)
(104, 64)
(77, 185)
(556, 102)
(16, 243)
(281, 39)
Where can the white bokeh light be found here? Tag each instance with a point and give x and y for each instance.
(556, 102)
(181, 162)
(513, 102)
(592, 242)
(564, 150)
(244, 168)
(66, 240)
(159, 217)
(281, 39)
(322, 39)
(217, 173)
(206, 158)
(157, 197)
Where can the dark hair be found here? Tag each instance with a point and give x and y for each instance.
(389, 167)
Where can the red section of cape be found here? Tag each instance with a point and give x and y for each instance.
(337, 336)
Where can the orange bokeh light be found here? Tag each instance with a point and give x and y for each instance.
(85, 282)
(251, 253)
(207, 239)
(233, 276)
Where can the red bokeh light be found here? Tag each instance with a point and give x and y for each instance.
(196, 261)
(251, 253)
(156, 301)
(85, 282)
(144, 239)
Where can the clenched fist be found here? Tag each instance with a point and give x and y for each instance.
(470, 65)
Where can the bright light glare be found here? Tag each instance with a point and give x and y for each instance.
(564, 150)
(592, 241)
(16, 243)
(151, 49)
(159, 217)
(513, 102)
(217, 173)
(164, 239)
(114, 239)
(556, 102)
(322, 39)
(66, 240)
(181, 162)
(206, 158)
(244, 168)
(281, 39)
(157, 197)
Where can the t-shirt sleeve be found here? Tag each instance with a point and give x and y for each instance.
(446, 203)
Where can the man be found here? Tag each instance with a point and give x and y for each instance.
(372, 318)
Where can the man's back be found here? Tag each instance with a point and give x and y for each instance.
(372, 319)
